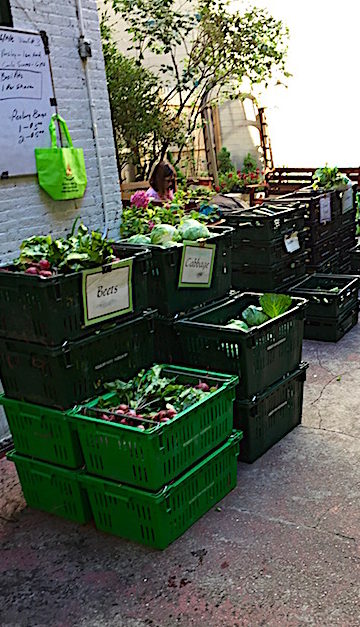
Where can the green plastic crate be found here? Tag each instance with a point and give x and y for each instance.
(255, 224)
(355, 259)
(50, 311)
(43, 433)
(259, 357)
(269, 416)
(52, 489)
(152, 458)
(167, 297)
(331, 329)
(275, 278)
(158, 519)
(62, 376)
(322, 302)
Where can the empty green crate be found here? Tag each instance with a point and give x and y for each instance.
(269, 278)
(318, 289)
(258, 357)
(269, 416)
(52, 489)
(61, 376)
(43, 433)
(152, 458)
(331, 329)
(158, 519)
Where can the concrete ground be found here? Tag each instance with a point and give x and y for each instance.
(284, 549)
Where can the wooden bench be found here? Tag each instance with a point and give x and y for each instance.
(287, 180)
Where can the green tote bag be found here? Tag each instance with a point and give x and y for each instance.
(61, 171)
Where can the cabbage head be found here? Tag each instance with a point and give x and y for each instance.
(254, 316)
(239, 325)
(193, 230)
(163, 233)
(139, 239)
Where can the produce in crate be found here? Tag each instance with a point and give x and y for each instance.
(149, 398)
(43, 256)
(271, 306)
(166, 235)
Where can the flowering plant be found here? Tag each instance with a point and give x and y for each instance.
(139, 199)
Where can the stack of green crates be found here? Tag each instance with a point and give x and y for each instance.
(148, 486)
(266, 358)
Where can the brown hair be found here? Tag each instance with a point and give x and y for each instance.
(161, 171)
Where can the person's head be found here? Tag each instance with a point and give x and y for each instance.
(162, 178)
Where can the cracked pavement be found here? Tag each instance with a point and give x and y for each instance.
(282, 550)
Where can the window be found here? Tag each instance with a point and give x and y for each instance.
(5, 13)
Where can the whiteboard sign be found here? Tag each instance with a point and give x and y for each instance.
(25, 107)
(107, 294)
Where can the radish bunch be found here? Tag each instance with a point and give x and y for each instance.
(42, 268)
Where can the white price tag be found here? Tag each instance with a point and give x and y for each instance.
(292, 242)
(197, 265)
(107, 294)
(325, 208)
(347, 200)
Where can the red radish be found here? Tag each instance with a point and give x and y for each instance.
(141, 427)
(44, 264)
(123, 421)
(119, 412)
(123, 407)
(106, 417)
(132, 412)
(164, 420)
(45, 273)
(31, 270)
(162, 414)
(139, 416)
(171, 413)
(202, 386)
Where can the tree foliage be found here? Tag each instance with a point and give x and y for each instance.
(205, 48)
(142, 124)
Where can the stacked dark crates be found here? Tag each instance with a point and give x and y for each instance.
(330, 226)
(269, 247)
(333, 307)
(267, 360)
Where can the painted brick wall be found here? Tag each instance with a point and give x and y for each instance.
(24, 209)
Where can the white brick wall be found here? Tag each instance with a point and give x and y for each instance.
(25, 209)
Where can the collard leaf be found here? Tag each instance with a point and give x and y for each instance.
(275, 304)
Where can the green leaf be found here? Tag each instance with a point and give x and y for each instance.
(275, 304)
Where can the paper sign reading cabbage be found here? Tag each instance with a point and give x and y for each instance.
(197, 265)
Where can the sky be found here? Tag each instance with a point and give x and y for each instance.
(315, 120)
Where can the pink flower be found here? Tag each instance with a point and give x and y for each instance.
(151, 225)
(139, 199)
(230, 175)
(217, 188)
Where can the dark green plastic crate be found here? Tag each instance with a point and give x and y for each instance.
(269, 416)
(258, 357)
(331, 329)
(52, 489)
(322, 302)
(50, 311)
(274, 278)
(355, 259)
(253, 225)
(164, 293)
(264, 253)
(322, 251)
(158, 519)
(62, 376)
(155, 457)
(330, 266)
(44, 433)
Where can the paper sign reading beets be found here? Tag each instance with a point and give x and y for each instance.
(107, 294)
(197, 265)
